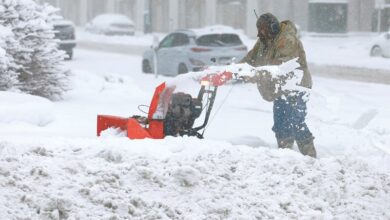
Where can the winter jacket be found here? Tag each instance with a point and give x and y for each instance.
(284, 47)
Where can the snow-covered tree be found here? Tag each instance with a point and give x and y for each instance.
(39, 62)
(8, 75)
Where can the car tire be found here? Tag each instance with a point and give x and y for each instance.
(146, 68)
(182, 69)
(70, 55)
(376, 51)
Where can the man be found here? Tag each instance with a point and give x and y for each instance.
(278, 43)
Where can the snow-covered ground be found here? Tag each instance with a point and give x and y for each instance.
(52, 165)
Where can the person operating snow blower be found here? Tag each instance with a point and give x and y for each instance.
(278, 43)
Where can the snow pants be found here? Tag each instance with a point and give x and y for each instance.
(289, 117)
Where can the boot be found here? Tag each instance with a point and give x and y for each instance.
(306, 147)
(285, 142)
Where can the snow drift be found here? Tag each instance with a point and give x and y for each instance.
(182, 178)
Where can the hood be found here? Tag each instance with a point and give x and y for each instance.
(288, 28)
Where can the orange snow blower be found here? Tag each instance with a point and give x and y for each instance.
(169, 113)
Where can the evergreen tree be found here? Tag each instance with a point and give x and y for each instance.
(8, 75)
(39, 63)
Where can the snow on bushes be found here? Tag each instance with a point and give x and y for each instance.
(29, 58)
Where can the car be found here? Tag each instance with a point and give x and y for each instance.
(64, 31)
(381, 46)
(188, 50)
(111, 24)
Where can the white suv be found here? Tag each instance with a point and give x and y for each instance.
(190, 50)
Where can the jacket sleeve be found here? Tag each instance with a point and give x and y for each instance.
(250, 57)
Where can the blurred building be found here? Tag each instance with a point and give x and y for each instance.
(322, 16)
(381, 17)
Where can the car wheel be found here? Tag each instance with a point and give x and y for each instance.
(70, 55)
(146, 68)
(182, 69)
(376, 51)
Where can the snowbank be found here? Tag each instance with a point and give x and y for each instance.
(182, 178)
(22, 108)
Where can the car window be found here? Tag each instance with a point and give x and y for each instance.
(180, 40)
(219, 40)
(167, 41)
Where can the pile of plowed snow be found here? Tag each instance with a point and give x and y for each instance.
(182, 178)
(14, 105)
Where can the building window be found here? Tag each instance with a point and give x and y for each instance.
(384, 20)
(230, 13)
(328, 17)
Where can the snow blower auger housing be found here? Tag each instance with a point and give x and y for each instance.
(172, 114)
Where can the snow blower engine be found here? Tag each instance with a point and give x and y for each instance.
(172, 114)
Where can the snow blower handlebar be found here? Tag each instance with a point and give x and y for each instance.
(216, 79)
(211, 92)
(209, 87)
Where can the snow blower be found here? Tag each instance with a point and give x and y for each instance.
(170, 113)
